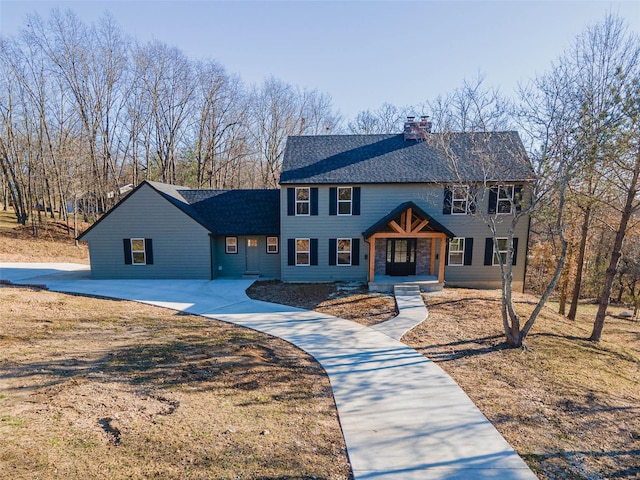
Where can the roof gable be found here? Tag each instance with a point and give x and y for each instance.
(221, 212)
(392, 159)
(393, 215)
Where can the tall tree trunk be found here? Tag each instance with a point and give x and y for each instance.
(627, 212)
(564, 283)
(584, 233)
(562, 299)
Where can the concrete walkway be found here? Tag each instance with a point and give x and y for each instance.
(403, 417)
(411, 312)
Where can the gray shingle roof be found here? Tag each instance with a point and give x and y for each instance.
(222, 212)
(227, 212)
(237, 212)
(495, 156)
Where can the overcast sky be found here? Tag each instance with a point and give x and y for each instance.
(362, 53)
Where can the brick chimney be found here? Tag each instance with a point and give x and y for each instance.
(411, 129)
(425, 124)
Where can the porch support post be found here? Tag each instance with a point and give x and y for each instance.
(432, 267)
(443, 245)
(372, 258)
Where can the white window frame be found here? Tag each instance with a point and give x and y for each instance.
(505, 196)
(303, 202)
(272, 242)
(231, 247)
(497, 251)
(459, 251)
(462, 200)
(134, 251)
(338, 251)
(300, 251)
(344, 202)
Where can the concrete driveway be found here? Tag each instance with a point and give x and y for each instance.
(402, 416)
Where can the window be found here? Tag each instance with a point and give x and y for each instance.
(138, 252)
(505, 199)
(456, 252)
(272, 244)
(303, 252)
(344, 201)
(501, 253)
(459, 200)
(252, 242)
(231, 245)
(344, 251)
(345, 196)
(303, 200)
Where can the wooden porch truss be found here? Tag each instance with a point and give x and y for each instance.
(409, 221)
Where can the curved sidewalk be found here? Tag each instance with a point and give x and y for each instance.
(402, 416)
(411, 312)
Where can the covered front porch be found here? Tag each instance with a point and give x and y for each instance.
(408, 247)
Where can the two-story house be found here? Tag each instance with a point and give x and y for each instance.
(366, 208)
(371, 207)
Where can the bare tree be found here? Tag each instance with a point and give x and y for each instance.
(624, 176)
(12, 156)
(167, 89)
(219, 146)
(386, 119)
(598, 61)
(481, 112)
(278, 110)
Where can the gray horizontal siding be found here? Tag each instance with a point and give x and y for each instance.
(235, 264)
(376, 202)
(181, 246)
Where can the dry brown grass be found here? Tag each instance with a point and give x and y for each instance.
(94, 388)
(120, 390)
(54, 242)
(344, 300)
(570, 407)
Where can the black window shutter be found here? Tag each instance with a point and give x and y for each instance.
(291, 251)
(448, 198)
(355, 208)
(314, 251)
(355, 251)
(291, 201)
(333, 201)
(488, 251)
(515, 250)
(493, 199)
(333, 251)
(468, 251)
(148, 250)
(446, 251)
(517, 197)
(126, 242)
(314, 201)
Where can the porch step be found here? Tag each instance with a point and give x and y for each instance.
(390, 286)
(250, 275)
(406, 289)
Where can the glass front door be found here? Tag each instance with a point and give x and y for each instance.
(401, 256)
